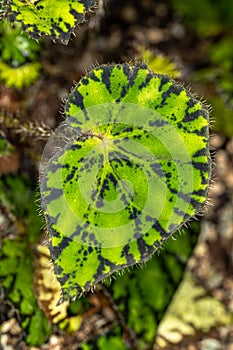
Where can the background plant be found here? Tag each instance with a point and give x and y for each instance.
(19, 66)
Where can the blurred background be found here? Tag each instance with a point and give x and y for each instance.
(182, 298)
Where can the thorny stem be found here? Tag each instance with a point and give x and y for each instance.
(26, 128)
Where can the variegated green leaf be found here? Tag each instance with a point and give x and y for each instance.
(54, 18)
(131, 165)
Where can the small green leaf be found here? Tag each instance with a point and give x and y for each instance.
(54, 18)
(160, 63)
(20, 77)
(132, 168)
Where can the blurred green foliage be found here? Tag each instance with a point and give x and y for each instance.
(212, 22)
(143, 294)
(206, 17)
(18, 66)
(16, 258)
(112, 340)
(16, 48)
(222, 116)
(217, 79)
(17, 194)
(17, 274)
